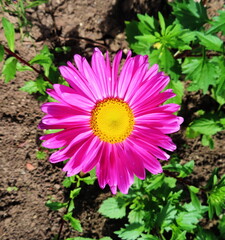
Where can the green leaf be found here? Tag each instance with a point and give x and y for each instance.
(71, 206)
(41, 155)
(178, 89)
(75, 223)
(190, 14)
(207, 141)
(136, 216)
(201, 71)
(88, 180)
(45, 59)
(216, 200)
(188, 219)
(20, 67)
(218, 24)
(194, 199)
(162, 23)
(131, 232)
(30, 87)
(1, 52)
(221, 226)
(147, 237)
(207, 125)
(10, 189)
(210, 42)
(9, 33)
(39, 85)
(148, 24)
(177, 233)
(183, 170)
(203, 234)
(74, 193)
(35, 3)
(219, 89)
(187, 169)
(157, 182)
(67, 182)
(113, 208)
(166, 216)
(55, 205)
(9, 69)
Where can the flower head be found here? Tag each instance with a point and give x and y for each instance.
(113, 121)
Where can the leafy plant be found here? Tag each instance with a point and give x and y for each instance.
(159, 206)
(73, 183)
(18, 9)
(186, 49)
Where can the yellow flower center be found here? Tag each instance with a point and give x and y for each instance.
(112, 120)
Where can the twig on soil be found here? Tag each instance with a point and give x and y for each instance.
(27, 63)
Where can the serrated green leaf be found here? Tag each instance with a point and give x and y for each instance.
(216, 200)
(187, 220)
(45, 59)
(218, 23)
(136, 216)
(75, 223)
(55, 205)
(41, 85)
(67, 182)
(131, 232)
(9, 33)
(190, 14)
(74, 193)
(201, 72)
(187, 169)
(9, 69)
(157, 182)
(183, 170)
(1, 52)
(206, 125)
(113, 208)
(177, 233)
(210, 42)
(30, 87)
(166, 216)
(148, 24)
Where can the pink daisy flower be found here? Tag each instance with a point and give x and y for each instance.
(112, 121)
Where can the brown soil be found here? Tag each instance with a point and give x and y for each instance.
(81, 25)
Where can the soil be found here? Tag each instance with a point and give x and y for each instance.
(26, 182)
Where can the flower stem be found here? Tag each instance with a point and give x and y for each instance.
(63, 221)
(27, 63)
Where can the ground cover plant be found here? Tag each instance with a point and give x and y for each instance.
(166, 203)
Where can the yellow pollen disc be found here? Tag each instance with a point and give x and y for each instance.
(112, 120)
